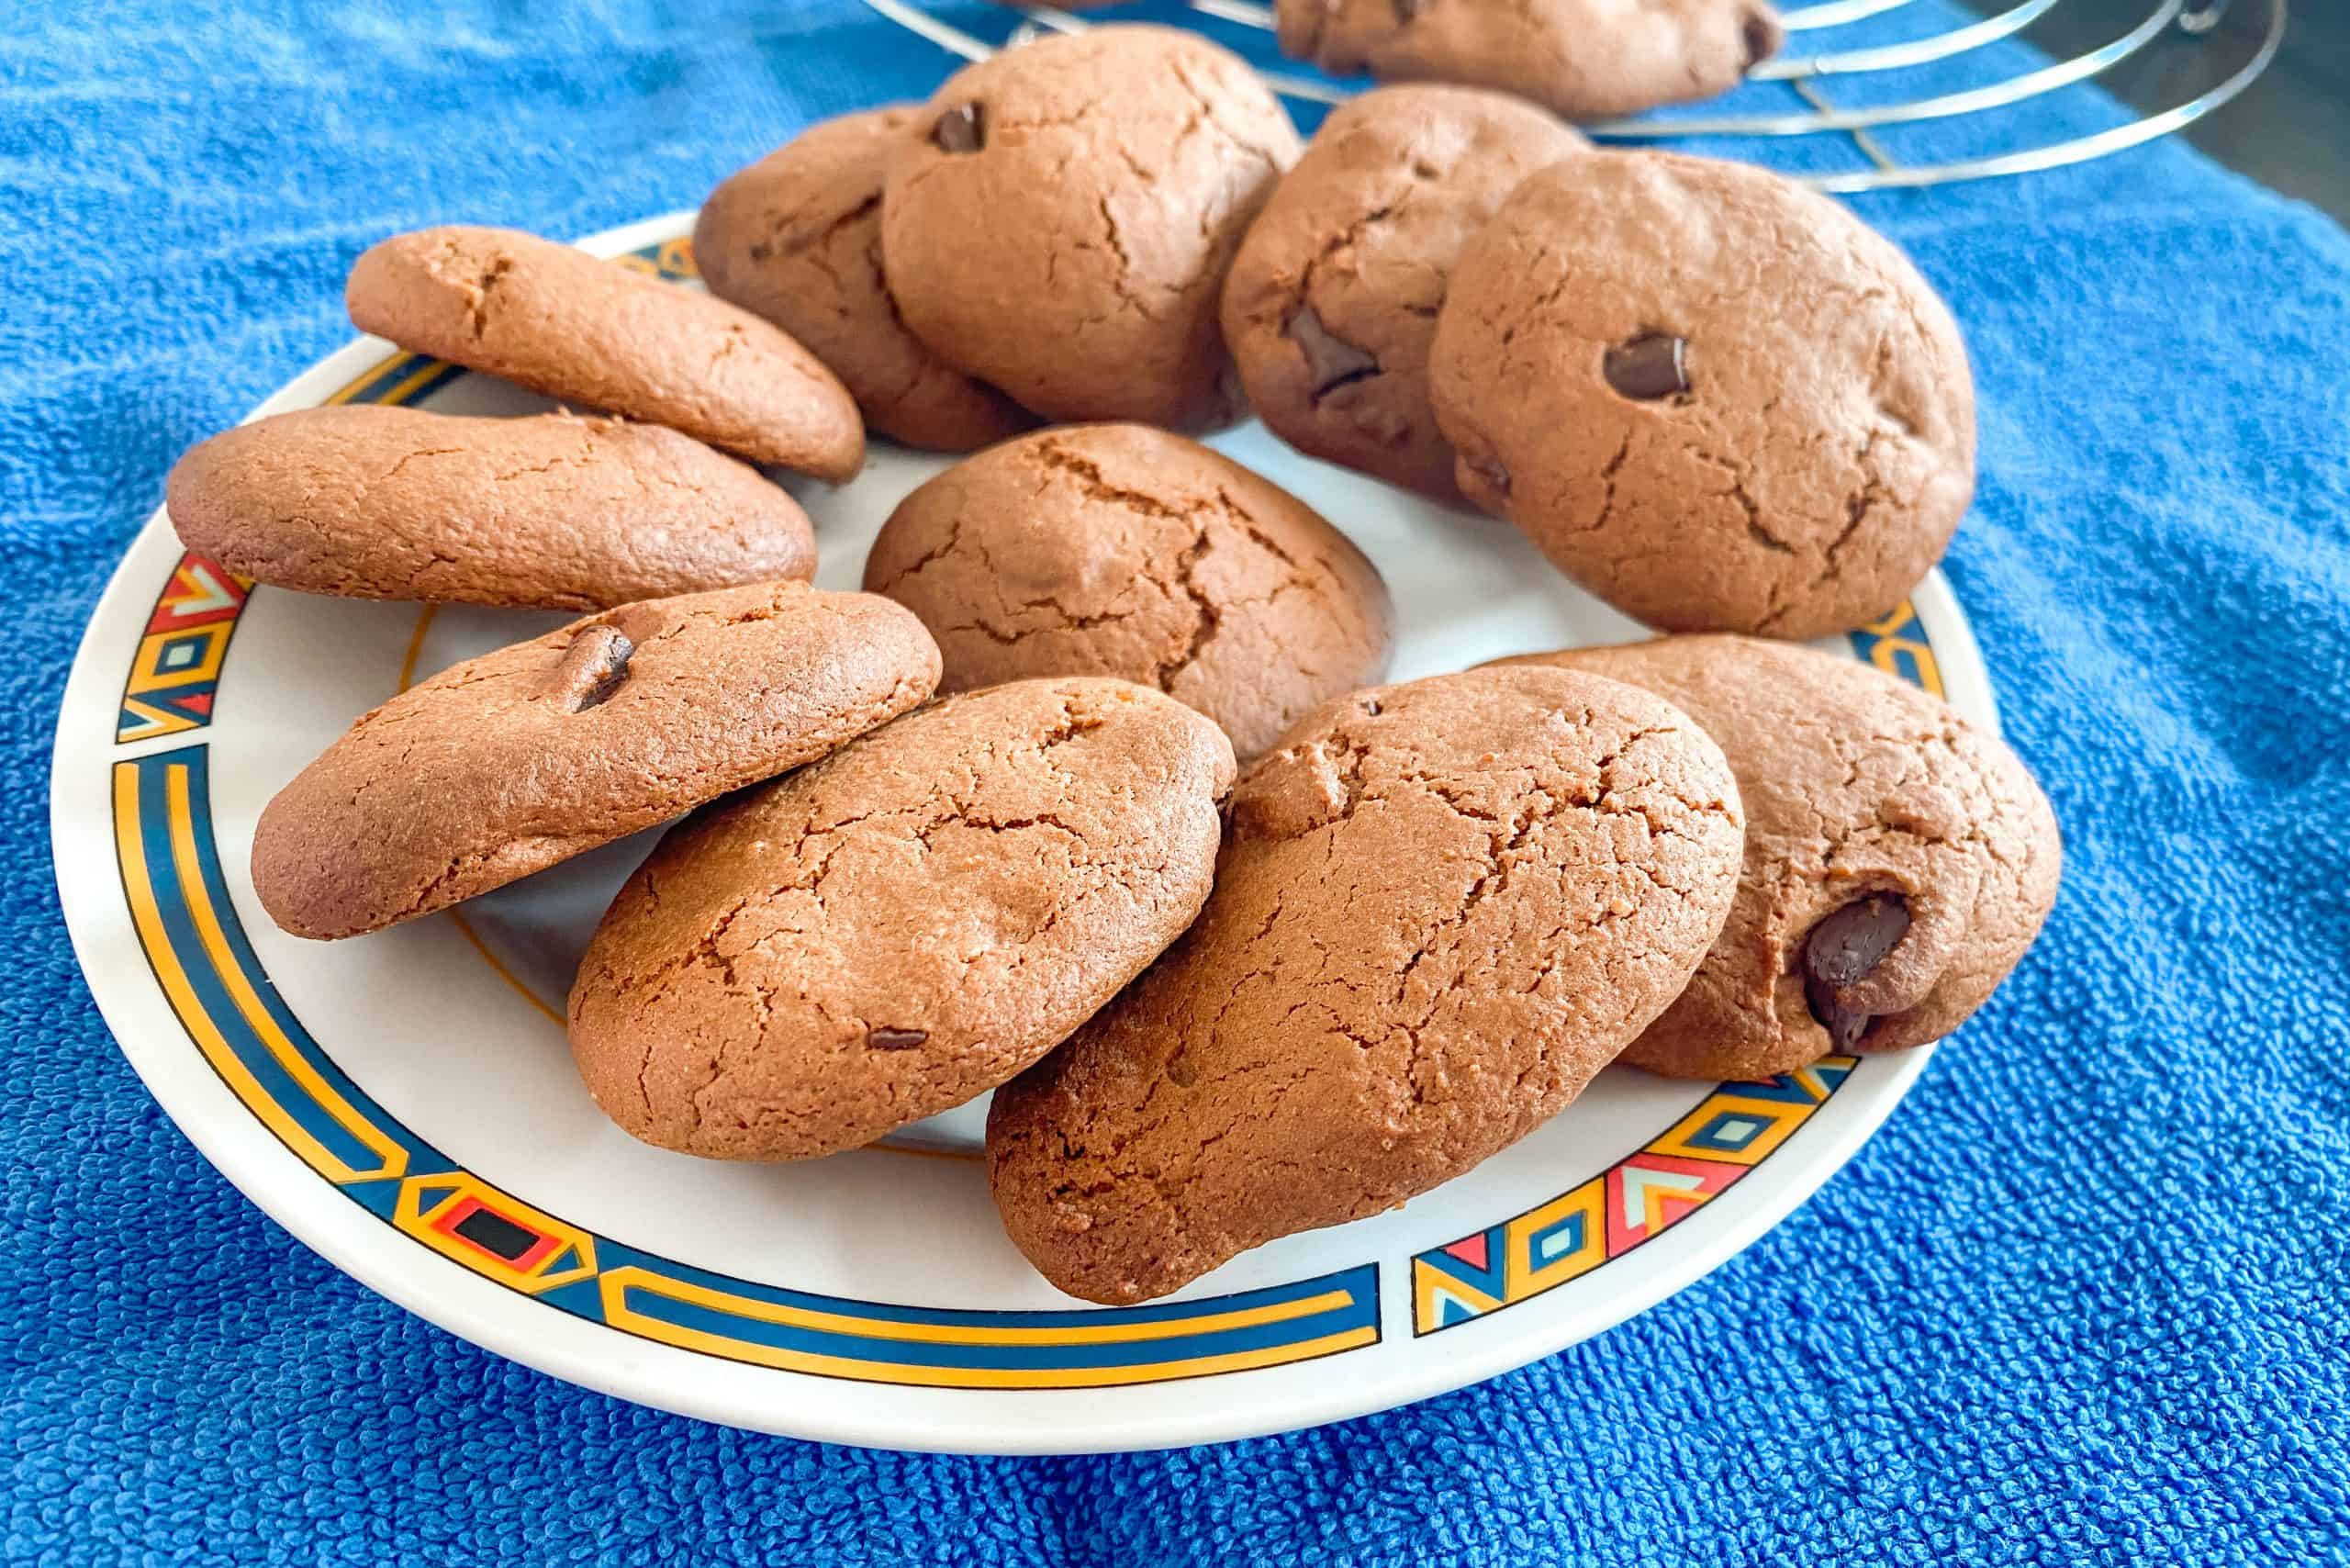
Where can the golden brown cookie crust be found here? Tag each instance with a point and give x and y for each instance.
(907, 924)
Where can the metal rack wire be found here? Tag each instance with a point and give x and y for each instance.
(1807, 72)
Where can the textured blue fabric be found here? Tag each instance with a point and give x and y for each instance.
(2079, 1302)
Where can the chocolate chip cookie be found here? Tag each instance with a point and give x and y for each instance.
(796, 238)
(1124, 551)
(551, 511)
(504, 765)
(1332, 301)
(1442, 907)
(1898, 860)
(904, 925)
(1582, 57)
(1715, 398)
(1059, 221)
(579, 330)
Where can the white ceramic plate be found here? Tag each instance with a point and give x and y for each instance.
(405, 1104)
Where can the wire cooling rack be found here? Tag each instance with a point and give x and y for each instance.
(1815, 61)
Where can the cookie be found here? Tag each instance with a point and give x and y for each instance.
(1124, 551)
(1332, 301)
(1059, 221)
(551, 511)
(1715, 398)
(1442, 907)
(902, 926)
(504, 765)
(583, 330)
(1898, 860)
(1583, 59)
(796, 238)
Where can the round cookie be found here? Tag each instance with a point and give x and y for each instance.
(1715, 398)
(901, 927)
(1442, 907)
(796, 238)
(551, 511)
(1331, 304)
(1121, 550)
(1059, 220)
(582, 329)
(1898, 860)
(504, 765)
(1583, 59)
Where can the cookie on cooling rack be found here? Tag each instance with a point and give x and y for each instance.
(1442, 907)
(1585, 59)
(1332, 301)
(905, 925)
(580, 329)
(1059, 221)
(1123, 550)
(1898, 860)
(1715, 399)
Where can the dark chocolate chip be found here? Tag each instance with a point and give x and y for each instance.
(1496, 477)
(610, 668)
(1407, 9)
(1332, 360)
(1844, 949)
(1650, 366)
(962, 128)
(1763, 36)
(895, 1039)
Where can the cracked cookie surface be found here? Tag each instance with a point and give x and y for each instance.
(1581, 58)
(1441, 908)
(1332, 301)
(591, 333)
(551, 511)
(1858, 788)
(505, 763)
(1124, 551)
(796, 238)
(1718, 400)
(1059, 222)
(901, 927)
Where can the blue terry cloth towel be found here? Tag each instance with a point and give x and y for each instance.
(2081, 1301)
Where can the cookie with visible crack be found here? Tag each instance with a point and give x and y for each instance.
(1583, 59)
(1123, 550)
(902, 926)
(1899, 861)
(551, 511)
(1332, 301)
(1441, 908)
(1715, 398)
(1059, 221)
(796, 238)
(505, 764)
(586, 331)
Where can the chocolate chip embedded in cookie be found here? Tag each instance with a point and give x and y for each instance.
(1582, 57)
(504, 765)
(907, 924)
(796, 238)
(1059, 222)
(1715, 398)
(551, 511)
(1898, 860)
(1442, 907)
(1332, 301)
(564, 323)
(1124, 551)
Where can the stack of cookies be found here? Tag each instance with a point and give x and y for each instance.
(1093, 798)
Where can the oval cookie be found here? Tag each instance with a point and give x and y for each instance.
(589, 331)
(1124, 551)
(551, 511)
(1898, 860)
(796, 238)
(504, 765)
(1442, 907)
(1332, 301)
(1059, 222)
(904, 925)
(1715, 398)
